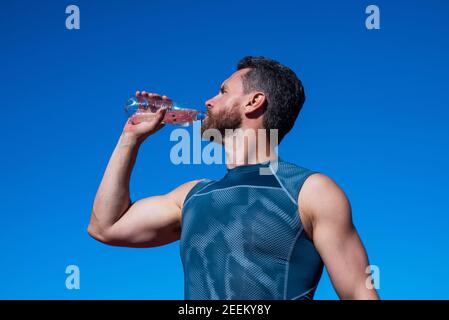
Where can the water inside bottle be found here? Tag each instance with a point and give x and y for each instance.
(143, 109)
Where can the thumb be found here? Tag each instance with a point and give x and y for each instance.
(161, 113)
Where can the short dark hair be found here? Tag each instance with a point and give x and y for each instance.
(283, 90)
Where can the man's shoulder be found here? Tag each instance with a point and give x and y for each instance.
(194, 186)
(320, 194)
(314, 179)
(290, 169)
(291, 176)
(312, 190)
(180, 194)
(320, 184)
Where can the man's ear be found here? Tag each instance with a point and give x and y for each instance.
(256, 103)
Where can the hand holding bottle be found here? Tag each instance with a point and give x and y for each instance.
(144, 106)
(141, 125)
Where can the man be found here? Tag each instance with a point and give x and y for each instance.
(248, 235)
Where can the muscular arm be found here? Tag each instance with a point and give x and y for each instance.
(327, 213)
(148, 222)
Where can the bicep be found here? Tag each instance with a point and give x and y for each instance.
(148, 222)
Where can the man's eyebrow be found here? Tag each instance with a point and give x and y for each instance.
(224, 86)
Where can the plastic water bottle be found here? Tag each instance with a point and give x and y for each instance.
(141, 109)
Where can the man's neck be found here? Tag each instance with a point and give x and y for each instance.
(240, 152)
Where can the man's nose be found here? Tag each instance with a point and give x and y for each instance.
(209, 103)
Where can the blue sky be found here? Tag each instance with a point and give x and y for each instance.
(375, 120)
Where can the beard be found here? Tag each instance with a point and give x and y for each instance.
(228, 118)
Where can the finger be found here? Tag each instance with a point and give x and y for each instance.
(166, 98)
(161, 112)
(155, 96)
(137, 93)
(156, 116)
(144, 93)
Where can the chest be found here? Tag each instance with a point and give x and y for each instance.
(244, 218)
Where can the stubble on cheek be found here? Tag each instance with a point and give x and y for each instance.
(225, 119)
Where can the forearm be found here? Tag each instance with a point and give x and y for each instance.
(112, 198)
